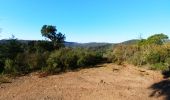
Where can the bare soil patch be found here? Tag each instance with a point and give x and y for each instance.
(108, 82)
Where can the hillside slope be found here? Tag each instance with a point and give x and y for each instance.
(107, 82)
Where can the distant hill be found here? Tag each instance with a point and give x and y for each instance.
(134, 41)
(88, 45)
(21, 41)
(84, 45)
(67, 44)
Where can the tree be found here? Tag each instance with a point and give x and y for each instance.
(12, 48)
(50, 32)
(9, 50)
(158, 39)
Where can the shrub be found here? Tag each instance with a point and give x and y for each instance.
(88, 57)
(31, 61)
(11, 49)
(167, 61)
(138, 59)
(70, 59)
(159, 66)
(157, 56)
(121, 53)
(39, 46)
(56, 61)
(110, 56)
(10, 67)
(153, 58)
(25, 63)
(37, 61)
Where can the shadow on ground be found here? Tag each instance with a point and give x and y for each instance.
(162, 88)
(166, 74)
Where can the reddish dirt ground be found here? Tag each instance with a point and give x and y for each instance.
(106, 82)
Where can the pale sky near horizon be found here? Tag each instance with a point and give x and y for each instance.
(85, 20)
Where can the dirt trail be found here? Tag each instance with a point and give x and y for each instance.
(107, 82)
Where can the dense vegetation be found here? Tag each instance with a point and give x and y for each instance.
(19, 58)
(153, 52)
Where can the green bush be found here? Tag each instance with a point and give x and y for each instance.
(167, 61)
(159, 66)
(11, 49)
(60, 60)
(37, 61)
(110, 56)
(122, 53)
(70, 59)
(138, 59)
(25, 63)
(119, 53)
(10, 67)
(88, 57)
(157, 56)
(29, 62)
(153, 58)
(39, 46)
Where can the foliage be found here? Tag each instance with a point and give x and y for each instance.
(39, 46)
(37, 61)
(11, 49)
(70, 59)
(152, 51)
(157, 39)
(49, 32)
(121, 53)
(167, 61)
(37, 55)
(138, 59)
(10, 67)
(88, 57)
(61, 60)
(18, 58)
(22, 57)
(159, 66)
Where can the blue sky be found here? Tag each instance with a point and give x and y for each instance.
(85, 20)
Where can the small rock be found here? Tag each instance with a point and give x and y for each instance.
(101, 81)
(115, 69)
